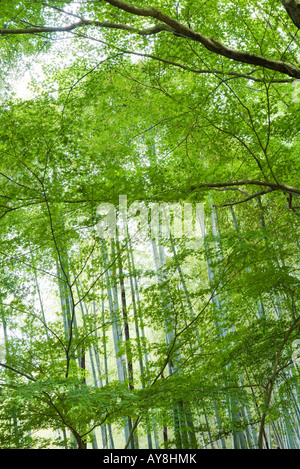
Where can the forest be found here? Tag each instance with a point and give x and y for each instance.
(149, 224)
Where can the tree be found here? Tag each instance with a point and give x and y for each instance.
(147, 338)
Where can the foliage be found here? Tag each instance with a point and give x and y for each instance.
(185, 342)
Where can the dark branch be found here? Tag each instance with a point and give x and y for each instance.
(293, 10)
(253, 196)
(246, 182)
(170, 25)
(209, 43)
(17, 371)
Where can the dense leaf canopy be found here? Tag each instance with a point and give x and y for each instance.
(176, 341)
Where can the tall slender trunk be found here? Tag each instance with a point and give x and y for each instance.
(113, 304)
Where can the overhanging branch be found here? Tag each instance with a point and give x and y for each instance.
(213, 45)
(247, 182)
(292, 8)
(271, 187)
(253, 196)
(169, 24)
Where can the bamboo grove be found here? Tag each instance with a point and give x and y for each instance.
(141, 336)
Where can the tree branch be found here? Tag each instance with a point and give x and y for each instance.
(253, 182)
(17, 371)
(292, 8)
(84, 22)
(253, 196)
(213, 45)
(170, 25)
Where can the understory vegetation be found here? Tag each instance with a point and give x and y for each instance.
(149, 224)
